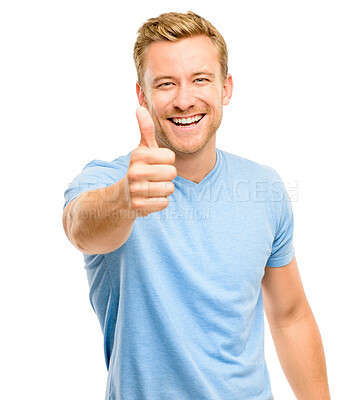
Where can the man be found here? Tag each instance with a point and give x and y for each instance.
(184, 243)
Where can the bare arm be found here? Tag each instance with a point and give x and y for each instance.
(295, 332)
(99, 221)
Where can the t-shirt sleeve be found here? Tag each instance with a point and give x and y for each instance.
(95, 175)
(282, 249)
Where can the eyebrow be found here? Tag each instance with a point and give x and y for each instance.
(165, 77)
(209, 74)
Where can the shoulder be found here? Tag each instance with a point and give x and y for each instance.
(97, 174)
(107, 170)
(120, 163)
(248, 169)
(255, 180)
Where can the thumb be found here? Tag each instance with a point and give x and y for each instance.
(147, 128)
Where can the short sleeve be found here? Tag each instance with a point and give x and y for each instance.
(282, 249)
(95, 175)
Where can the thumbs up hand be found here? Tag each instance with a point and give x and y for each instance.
(150, 171)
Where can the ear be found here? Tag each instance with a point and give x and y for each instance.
(227, 90)
(141, 95)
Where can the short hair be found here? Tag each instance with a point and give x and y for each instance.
(171, 27)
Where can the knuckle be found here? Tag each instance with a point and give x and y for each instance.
(136, 204)
(134, 187)
(137, 155)
(134, 174)
(134, 156)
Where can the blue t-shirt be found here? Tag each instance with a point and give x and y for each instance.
(180, 303)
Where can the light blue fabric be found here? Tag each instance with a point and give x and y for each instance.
(180, 303)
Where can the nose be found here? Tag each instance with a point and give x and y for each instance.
(184, 98)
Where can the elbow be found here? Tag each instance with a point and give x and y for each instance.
(81, 239)
(291, 317)
(72, 233)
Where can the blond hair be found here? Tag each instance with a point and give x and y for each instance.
(172, 27)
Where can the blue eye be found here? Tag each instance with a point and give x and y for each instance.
(201, 80)
(165, 84)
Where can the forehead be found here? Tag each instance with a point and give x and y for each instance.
(185, 56)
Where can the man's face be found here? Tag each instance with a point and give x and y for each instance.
(184, 92)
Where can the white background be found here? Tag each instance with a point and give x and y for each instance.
(67, 96)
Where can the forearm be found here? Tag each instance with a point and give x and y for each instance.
(301, 355)
(99, 221)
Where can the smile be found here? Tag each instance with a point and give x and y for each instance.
(187, 121)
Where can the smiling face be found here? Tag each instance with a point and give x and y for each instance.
(184, 92)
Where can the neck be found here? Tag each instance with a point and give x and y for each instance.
(195, 167)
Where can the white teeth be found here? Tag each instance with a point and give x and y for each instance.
(188, 120)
